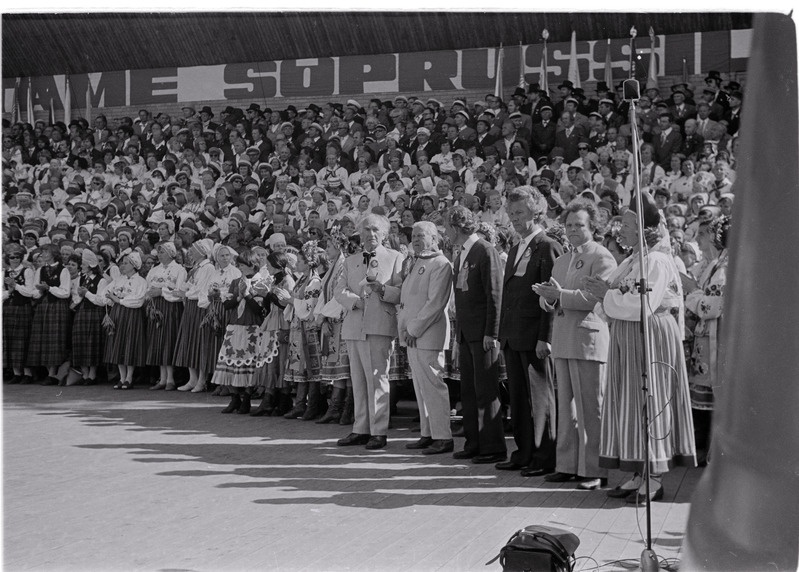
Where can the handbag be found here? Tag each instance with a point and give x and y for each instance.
(539, 548)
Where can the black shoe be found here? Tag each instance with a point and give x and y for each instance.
(296, 412)
(508, 466)
(354, 439)
(639, 496)
(536, 472)
(26, 380)
(89, 382)
(464, 454)
(489, 459)
(440, 446)
(266, 407)
(15, 380)
(376, 442)
(244, 408)
(422, 443)
(50, 381)
(559, 477)
(234, 404)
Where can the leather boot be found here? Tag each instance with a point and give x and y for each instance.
(348, 412)
(299, 403)
(314, 409)
(283, 403)
(266, 407)
(244, 408)
(233, 406)
(336, 407)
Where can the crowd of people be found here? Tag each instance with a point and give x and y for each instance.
(487, 251)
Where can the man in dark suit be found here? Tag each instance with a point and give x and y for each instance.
(509, 137)
(478, 291)
(668, 142)
(569, 137)
(525, 331)
(543, 136)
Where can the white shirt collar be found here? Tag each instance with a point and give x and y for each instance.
(467, 246)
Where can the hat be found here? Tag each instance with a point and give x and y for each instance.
(733, 86)
(460, 102)
(354, 104)
(463, 113)
(519, 91)
(595, 114)
(254, 107)
(90, 258)
(713, 75)
(737, 94)
(566, 83)
(515, 114)
(607, 101)
(545, 107)
(602, 86)
(380, 126)
(423, 131)
(401, 98)
(435, 102)
(572, 100)
(533, 87)
(548, 174)
(190, 108)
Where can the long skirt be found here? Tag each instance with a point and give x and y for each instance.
(162, 333)
(49, 340)
(189, 348)
(88, 339)
(335, 360)
(305, 362)
(127, 346)
(700, 379)
(275, 344)
(241, 356)
(671, 429)
(16, 332)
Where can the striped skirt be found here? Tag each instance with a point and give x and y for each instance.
(671, 433)
(16, 331)
(305, 362)
(49, 340)
(127, 346)
(88, 338)
(335, 360)
(162, 334)
(188, 346)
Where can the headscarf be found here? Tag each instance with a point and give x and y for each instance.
(169, 248)
(218, 248)
(135, 259)
(90, 258)
(204, 246)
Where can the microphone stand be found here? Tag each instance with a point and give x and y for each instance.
(649, 560)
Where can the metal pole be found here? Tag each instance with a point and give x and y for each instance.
(649, 559)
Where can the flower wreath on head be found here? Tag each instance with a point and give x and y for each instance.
(341, 239)
(718, 227)
(310, 252)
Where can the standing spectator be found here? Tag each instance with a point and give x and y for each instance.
(87, 330)
(18, 291)
(423, 322)
(525, 332)
(478, 290)
(369, 289)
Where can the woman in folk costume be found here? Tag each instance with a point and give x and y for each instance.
(305, 362)
(705, 302)
(48, 344)
(18, 291)
(240, 355)
(218, 316)
(87, 329)
(277, 396)
(329, 314)
(126, 345)
(164, 311)
(189, 349)
(670, 431)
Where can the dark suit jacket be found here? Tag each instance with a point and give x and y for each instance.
(523, 323)
(664, 151)
(692, 144)
(543, 138)
(569, 144)
(477, 307)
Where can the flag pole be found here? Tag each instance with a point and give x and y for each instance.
(544, 80)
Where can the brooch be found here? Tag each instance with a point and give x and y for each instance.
(579, 264)
(527, 253)
(373, 263)
(421, 271)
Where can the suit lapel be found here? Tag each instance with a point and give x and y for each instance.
(510, 265)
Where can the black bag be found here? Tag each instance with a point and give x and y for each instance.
(539, 549)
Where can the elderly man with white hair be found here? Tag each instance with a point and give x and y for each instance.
(368, 289)
(424, 328)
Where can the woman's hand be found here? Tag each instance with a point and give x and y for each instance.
(550, 291)
(82, 291)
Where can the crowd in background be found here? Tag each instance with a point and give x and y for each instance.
(211, 251)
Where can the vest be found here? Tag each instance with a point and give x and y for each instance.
(17, 299)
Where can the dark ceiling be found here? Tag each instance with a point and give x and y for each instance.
(45, 44)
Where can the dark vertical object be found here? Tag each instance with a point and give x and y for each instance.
(745, 514)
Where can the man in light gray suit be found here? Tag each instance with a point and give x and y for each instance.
(369, 327)
(580, 341)
(424, 328)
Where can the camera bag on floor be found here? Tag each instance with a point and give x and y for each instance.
(539, 548)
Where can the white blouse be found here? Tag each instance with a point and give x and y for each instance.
(130, 290)
(169, 279)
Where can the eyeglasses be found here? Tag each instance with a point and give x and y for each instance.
(14, 257)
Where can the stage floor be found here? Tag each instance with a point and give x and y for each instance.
(97, 479)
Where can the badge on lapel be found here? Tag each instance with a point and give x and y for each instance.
(521, 268)
(579, 264)
(421, 270)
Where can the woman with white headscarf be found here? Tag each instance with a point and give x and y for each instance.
(87, 329)
(164, 311)
(218, 317)
(189, 349)
(125, 296)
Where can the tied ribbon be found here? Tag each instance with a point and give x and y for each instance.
(367, 256)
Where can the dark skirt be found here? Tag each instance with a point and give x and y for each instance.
(127, 346)
(50, 333)
(192, 347)
(162, 334)
(88, 338)
(16, 331)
